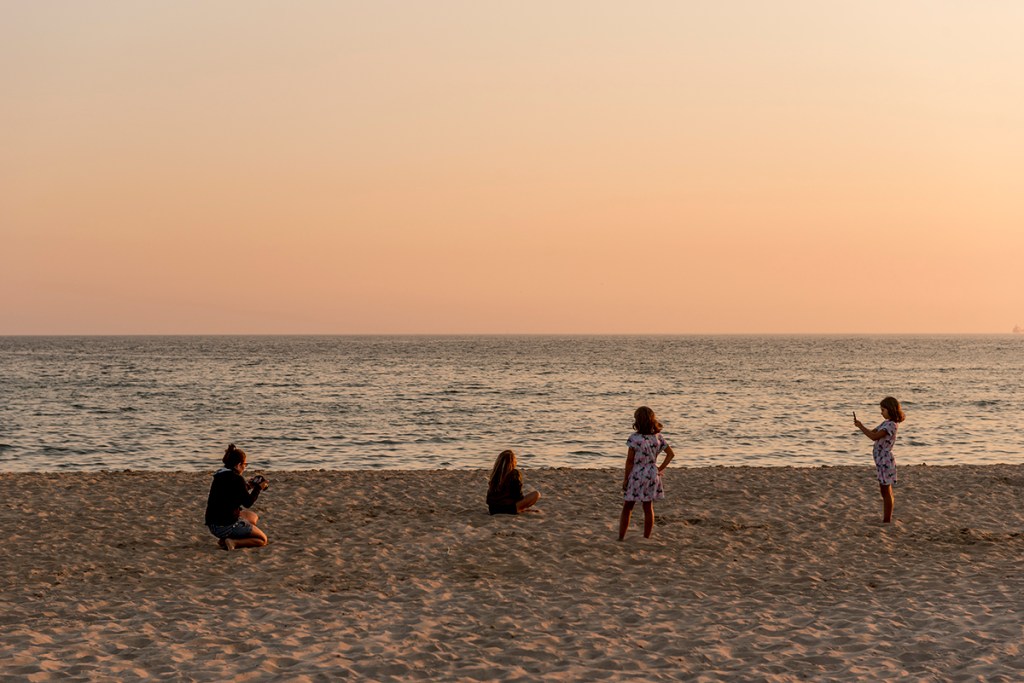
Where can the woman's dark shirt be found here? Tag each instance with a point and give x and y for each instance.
(228, 495)
(504, 498)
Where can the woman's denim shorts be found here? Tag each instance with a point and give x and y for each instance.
(240, 529)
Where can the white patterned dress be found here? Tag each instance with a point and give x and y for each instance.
(885, 464)
(644, 482)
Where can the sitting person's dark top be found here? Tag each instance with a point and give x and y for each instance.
(502, 500)
(229, 493)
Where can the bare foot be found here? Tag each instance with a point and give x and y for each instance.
(229, 544)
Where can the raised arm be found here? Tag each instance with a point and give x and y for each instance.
(245, 493)
(873, 434)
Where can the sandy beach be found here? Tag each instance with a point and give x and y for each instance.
(752, 574)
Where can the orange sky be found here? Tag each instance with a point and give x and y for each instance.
(486, 167)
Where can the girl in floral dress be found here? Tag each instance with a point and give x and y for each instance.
(643, 475)
(884, 436)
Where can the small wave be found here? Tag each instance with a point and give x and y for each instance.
(436, 439)
(51, 450)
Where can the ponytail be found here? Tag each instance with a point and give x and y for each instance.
(233, 455)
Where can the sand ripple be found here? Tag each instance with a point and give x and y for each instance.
(752, 574)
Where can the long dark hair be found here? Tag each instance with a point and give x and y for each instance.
(504, 465)
(644, 421)
(233, 455)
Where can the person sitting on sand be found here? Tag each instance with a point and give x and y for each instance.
(505, 489)
(229, 493)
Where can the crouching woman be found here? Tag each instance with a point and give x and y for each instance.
(229, 493)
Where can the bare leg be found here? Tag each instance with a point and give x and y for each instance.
(248, 516)
(258, 539)
(888, 502)
(627, 511)
(529, 500)
(648, 518)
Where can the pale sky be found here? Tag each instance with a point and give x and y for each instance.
(511, 167)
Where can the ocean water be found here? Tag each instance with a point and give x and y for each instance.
(309, 402)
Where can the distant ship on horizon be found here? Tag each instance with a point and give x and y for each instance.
(1017, 329)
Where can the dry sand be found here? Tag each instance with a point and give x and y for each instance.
(752, 574)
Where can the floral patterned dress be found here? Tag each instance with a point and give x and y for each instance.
(644, 482)
(885, 464)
